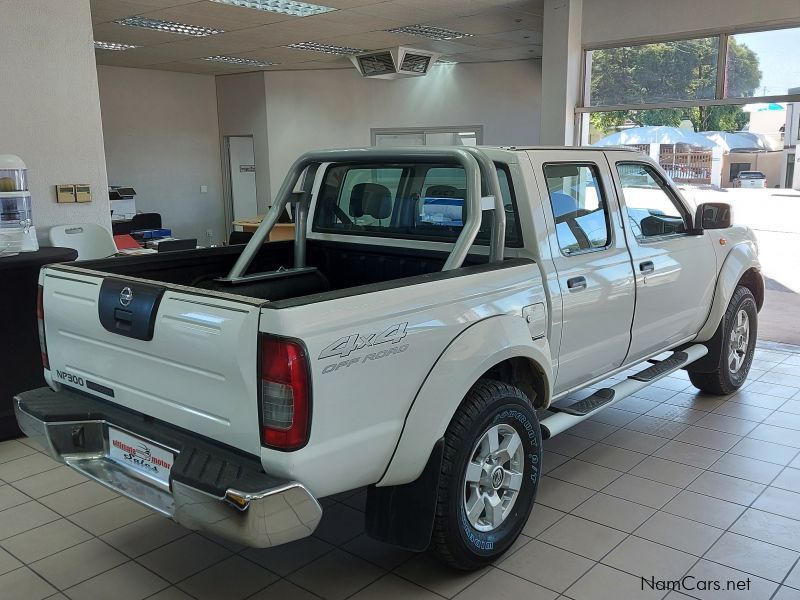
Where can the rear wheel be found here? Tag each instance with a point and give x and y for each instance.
(490, 473)
(738, 331)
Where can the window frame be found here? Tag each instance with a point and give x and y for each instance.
(518, 242)
(664, 185)
(720, 99)
(611, 240)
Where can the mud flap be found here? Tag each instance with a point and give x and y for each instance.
(402, 515)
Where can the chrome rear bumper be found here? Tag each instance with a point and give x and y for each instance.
(261, 512)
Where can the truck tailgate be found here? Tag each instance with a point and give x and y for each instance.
(198, 370)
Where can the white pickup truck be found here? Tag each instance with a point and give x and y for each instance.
(420, 336)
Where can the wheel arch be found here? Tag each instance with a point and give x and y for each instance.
(499, 347)
(741, 267)
(753, 280)
(524, 373)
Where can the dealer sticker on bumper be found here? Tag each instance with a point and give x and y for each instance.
(140, 455)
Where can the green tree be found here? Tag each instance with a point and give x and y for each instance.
(669, 71)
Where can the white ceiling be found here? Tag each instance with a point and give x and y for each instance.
(501, 30)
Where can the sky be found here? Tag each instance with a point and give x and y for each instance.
(779, 58)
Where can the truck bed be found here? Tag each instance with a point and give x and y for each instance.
(339, 266)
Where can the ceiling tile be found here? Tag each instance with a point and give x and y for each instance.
(214, 14)
(156, 4)
(112, 32)
(401, 14)
(535, 7)
(500, 28)
(110, 10)
(517, 53)
(339, 63)
(425, 10)
(490, 22)
(343, 4)
(284, 56)
(373, 40)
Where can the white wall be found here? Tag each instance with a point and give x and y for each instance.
(243, 111)
(162, 138)
(311, 110)
(49, 107)
(606, 21)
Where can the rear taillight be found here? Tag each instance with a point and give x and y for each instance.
(285, 394)
(40, 320)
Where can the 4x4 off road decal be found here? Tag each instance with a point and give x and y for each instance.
(349, 344)
(345, 346)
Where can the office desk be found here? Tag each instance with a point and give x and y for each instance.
(281, 231)
(21, 366)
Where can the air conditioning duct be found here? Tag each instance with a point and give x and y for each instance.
(395, 63)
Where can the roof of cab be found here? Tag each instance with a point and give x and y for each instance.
(570, 148)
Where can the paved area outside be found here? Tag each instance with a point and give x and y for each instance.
(774, 214)
(666, 484)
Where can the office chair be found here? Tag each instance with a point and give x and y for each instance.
(145, 221)
(89, 239)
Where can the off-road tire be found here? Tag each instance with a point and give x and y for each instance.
(455, 540)
(721, 381)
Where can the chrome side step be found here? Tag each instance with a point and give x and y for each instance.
(597, 400)
(565, 417)
(661, 367)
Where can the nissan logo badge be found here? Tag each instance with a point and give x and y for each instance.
(125, 296)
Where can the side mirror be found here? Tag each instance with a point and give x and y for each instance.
(713, 215)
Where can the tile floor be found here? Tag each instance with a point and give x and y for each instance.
(665, 484)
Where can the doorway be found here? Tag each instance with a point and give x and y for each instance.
(241, 170)
(428, 136)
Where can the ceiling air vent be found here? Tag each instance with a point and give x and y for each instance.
(415, 63)
(372, 65)
(395, 63)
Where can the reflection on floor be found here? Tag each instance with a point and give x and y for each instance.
(665, 484)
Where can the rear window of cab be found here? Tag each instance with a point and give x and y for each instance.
(409, 201)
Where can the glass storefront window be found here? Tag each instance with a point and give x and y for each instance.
(653, 73)
(760, 63)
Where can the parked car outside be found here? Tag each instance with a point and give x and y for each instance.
(750, 179)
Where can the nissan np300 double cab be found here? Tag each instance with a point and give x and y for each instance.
(420, 336)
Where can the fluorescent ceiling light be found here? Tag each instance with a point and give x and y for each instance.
(285, 7)
(168, 26)
(434, 33)
(324, 48)
(444, 61)
(237, 60)
(113, 46)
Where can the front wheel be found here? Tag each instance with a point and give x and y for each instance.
(738, 331)
(490, 474)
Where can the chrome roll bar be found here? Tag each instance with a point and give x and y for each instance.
(477, 167)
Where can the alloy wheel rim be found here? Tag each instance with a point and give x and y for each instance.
(493, 477)
(738, 342)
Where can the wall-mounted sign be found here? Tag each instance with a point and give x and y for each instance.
(247, 168)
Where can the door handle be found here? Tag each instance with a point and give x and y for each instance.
(647, 266)
(576, 283)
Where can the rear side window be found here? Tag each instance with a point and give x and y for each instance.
(579, 206)
(420, 201)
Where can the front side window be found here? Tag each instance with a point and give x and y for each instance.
(579, 207)
(422, 201)
(652, 210)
